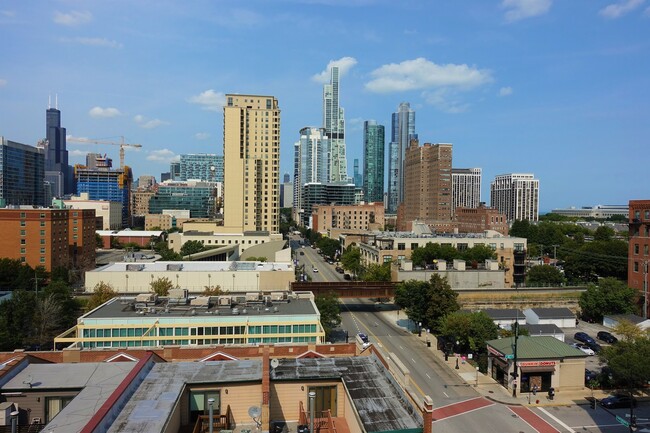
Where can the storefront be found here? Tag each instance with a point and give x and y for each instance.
(541, 363)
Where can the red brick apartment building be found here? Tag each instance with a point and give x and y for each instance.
(639, 249)
(477, 220)
(48, 237)
(364, 216)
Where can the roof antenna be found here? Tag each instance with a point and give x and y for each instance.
(49, 101)
(56, 101)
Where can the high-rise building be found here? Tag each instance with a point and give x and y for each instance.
(196, 196)
(516, 195)
(104, 183)
(334, 125)
(403, 131)
(206, 167)
(358, 176)
(22, 174)
(311, 164)
(57, 171)
(286, 192)
(175, 170)
(373, 161)
(466, 186)
(427, 187)
(251, 129)
(320, 193)
(639, 251)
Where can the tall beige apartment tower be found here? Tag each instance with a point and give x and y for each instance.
(251, 149)
(427, 187)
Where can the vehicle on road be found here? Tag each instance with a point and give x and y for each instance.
(339, 269)
(607, 337)
(314, 270)
(584, 348)
(302, 253)
(618, 401)
(583, 337)
(364, 339)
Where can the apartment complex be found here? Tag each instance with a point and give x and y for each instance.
(311, 165)
(516, 195)
(373, 161)
(319, 193)
(402, 132)
(251, 129)
(466, 187)
(428, 189)
(141, 201)
(639, 250)
(207, 167)
(48, 237)
(479, 219)
(363, 216)
(108, 214)
(196, 196)
(22, 174)
(334, 126)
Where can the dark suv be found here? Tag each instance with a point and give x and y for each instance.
(607, 337)
(582, 336)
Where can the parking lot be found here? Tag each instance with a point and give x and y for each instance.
(591, 362)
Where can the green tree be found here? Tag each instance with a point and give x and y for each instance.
(471, 330)
(628, 361)
(520, 229)
(102, 292)
(15, 275)
(595, 259)
(377, 272)
(17, 320)
(191, 247)
(610, 296)
(351, 259)
(212, 291)
(442, 301)
(70, 306)
(161, 286)
(329, 307)
(47, 318)
(479, 254)
(426, 302)
(604, 233)
(544, 275)
(328, 246)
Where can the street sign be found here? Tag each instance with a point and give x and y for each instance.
(622, 421)
(510, 356)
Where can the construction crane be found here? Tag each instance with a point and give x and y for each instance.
(122, 145)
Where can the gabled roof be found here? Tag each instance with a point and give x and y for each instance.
(547, 328)
(218, 356)
(504, 313)
(544, 347)
(310, 354)
(553, 313)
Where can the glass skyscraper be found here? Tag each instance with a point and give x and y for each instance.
(197, 197)
(403, 131)
(57, 171)
(22, 174)
(201, 166)
(334, 124)
(373, 161)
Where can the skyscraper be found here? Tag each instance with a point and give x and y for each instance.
(516, 195)
(251, 141)
(373, 161)
(466, 187)
(57, 171)
(311, 164)
(403, 131)
(22, 174)
(334, 125)
(357, 176)
(427, 186)
(207, 167)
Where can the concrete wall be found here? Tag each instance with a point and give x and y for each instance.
(473, 278)
(572, 375)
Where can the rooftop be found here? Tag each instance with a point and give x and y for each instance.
(553, 313)
(547, 329)
(504, 313)
(542, 347)
(189, 266)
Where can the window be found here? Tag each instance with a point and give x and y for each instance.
(199, 403)
(401, 246)
(42, 223)
(636, 248)
(22, 233)
(23, 214)
(54, 405)
(645, 249)
(636, 266)
(22, 251)
(646, 214)
(23, 241)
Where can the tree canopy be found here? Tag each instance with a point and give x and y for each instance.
(161, 286)
(329, 308)
(192, 247)
(376, 272)
(351, 259)
(628, 361)
(471, 330)
(102, 292)
(425, 256)
(609, 296)
(328, 246)
(427, 302)
(544, 275)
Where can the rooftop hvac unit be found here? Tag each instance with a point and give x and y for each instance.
(174, 267)
(201, 301)
(224, 300)
(146, 297)
(235, 311)
(252, 296)
(278, 296)
(134, 267)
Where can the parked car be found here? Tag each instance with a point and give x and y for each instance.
(584, 348)
(339, 269)
(618, 401)
(607, 337)
(590, 375)
(583, 337)
(594, 346)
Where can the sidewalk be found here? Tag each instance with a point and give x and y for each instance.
(488, 387)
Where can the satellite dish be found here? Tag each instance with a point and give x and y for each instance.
(254, 412)
(275, 363)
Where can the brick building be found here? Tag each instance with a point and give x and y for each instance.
(639, 249)
(364, 216)
(477, 220)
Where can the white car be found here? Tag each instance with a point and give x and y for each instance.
(584, 348)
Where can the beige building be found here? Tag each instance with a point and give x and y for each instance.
(382, 247)
(427, 187)
(251, 136)
(110, 212)
(141, 201)
(243, 241)
(363, 216)
(194, 276)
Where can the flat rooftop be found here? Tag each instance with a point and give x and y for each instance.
(189, 266)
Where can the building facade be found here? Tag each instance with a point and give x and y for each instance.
(599, 211)
(206, 167)
(109, 212)
(197, 197)
(639, 251)
(373, 161)
(311, 164)
(466, 187)
(516, 195)
(402, 132)
(251, 163)
(427, 186)
(57, 171)
(319, 193)
(22, 174)
(477, 220)
(334, 125)
(141, 201)
(365, 216)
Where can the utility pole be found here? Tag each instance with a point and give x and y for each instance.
(555, 252)
(645, 289)
(515, 374)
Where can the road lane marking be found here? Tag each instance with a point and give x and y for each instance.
(557, 420)
(445, 394)
(535, 421)
(413, 360)
(427, 374)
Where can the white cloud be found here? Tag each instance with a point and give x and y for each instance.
(202, 135)
(163, 156)
(210, 100)
(617, 10)
(143, 122)
(3, 82)
(505, 91)
(423, 74)
(8, 14)
(93, 42)
(446, 100)
(99, 112)
(521, 9)
(344, 64)
(73, 18)
(77, 152)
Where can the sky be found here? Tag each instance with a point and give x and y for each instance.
(558, 88)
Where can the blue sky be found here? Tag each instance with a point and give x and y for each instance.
(559, 88)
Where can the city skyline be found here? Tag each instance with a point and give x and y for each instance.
(546, 87)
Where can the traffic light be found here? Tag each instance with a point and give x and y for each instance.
(633, 421)
(592, 403)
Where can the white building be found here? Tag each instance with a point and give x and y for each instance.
(561, 317)
(516, 195)
(598, 211)
(109, 211)
(466, 187)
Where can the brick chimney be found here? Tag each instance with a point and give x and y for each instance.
(427, 415)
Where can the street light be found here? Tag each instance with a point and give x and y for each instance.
(457, 343)
(476, 375)
(420, 329)
(211, 408)
(312, 399)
